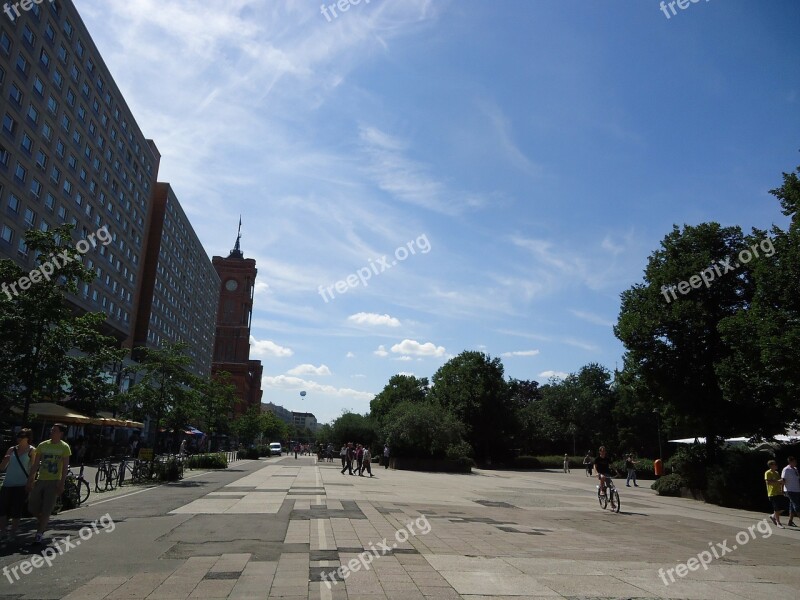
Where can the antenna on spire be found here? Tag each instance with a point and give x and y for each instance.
(237, 251)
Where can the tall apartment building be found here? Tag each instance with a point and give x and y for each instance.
(282, 413)
(180, 288)
(72, 152)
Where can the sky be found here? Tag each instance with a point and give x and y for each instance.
(490, 176)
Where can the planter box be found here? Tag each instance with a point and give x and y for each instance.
(442, 465)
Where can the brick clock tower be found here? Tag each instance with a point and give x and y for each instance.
(237, 276)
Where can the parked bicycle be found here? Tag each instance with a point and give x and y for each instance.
(106, 478)
(139, 470)
(81, 483)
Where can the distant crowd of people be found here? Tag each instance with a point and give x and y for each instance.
(357, 458)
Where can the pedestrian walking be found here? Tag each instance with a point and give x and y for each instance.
(588, 461)
(775, 492)
(348, 457)
(343, 455)
(367, 459)
(566, 464)
(360, 460)
(791, 487)
(386, 456)
(630, 466)
(13, 496)
(50, 463)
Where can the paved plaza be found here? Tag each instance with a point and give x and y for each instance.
(276, 528)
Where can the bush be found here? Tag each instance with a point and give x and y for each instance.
(459, 450)
(208, 461)
(738, 480)
(690, 463)
(669, 485)
(169, 469)
(249, 454)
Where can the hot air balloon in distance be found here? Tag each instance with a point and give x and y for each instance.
(302, 394)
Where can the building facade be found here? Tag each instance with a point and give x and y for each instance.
(237, 275)
(180, 287)
(282, 413)
(303, 420)
(71, 152)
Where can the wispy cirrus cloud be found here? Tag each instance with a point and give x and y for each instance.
(520, 353)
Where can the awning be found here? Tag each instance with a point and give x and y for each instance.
(106, 419)
(49, 411)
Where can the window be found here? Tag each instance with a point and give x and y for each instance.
(72, 162)
(79, 49)
(30, 217)
(55, 174)
(49, 32)
(7, 234)
(74, 73)
(60, 148)
(38, 86)
(44, 58)
(68, 29)
(5, 43)
(85, 89)
(62, 213)
(27, 143)
(13, 203)
(58, 78)
(43, 226)
(41, 159)
(70, 97)
(36, 187)
(9, 124)
(15, 94)
(65, 123)
(22, 247)
(47, 131)
(76, 137)
(67, 187)
(3, 159)
(50, 201)
(20, 173)
(28, 36)
(33, 114)
(22, 64)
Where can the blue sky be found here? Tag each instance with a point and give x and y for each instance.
(539, 150)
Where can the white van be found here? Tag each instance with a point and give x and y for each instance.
(275, 448)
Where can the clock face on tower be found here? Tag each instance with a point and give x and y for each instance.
(231, 285)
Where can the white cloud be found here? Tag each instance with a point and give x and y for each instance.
(553, 374)
(349, 355)
(295, 383)
(306, 369)
(364, 318)
(407, 373)
(381, 351)
(417, 349)
(359, 376)
(264, 348)
(520, 353)
(404, 358)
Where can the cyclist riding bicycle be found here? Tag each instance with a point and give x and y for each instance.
(602, 466)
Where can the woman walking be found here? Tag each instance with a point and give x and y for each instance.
(13, 496)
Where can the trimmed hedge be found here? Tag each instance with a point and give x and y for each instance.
(546, 462)
(644, 468)
(248, 454)
(208, 461)
(669, 485)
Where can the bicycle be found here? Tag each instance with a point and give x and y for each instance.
(81, 483)
(608, 494)
(138, 469)
(106, 477)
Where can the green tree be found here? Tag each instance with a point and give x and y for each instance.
(426, 430)
(471, 387)
(352, 427)
(762, 373)
(166, 391)
(40, 330)
(250, 425)
(216, 398)
(401, 388)
(674, 345)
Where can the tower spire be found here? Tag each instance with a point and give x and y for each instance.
(237, 251)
